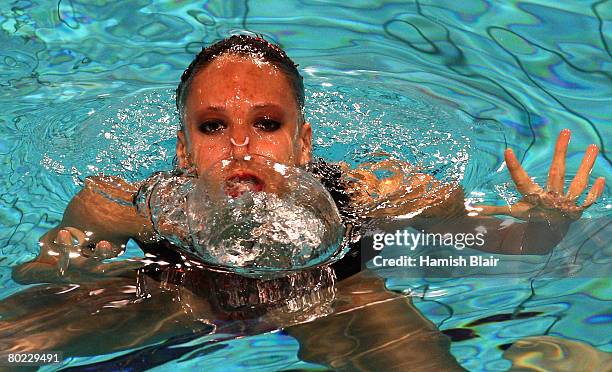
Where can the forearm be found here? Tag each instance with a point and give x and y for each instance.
(98, 212)
(504, 236)
(373, 329)
(104, 210)
(524, 237)
(501, 235)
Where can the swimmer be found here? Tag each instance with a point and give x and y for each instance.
(243, 96)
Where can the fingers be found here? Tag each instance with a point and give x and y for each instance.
(72, 237)
(595, 192)
(104, 245)
(64, 237)
(65, 242)
(104, 249)
(77, 234)
(581, 180)
(524, 184)
(556, 174)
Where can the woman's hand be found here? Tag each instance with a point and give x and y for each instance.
(67, 256)
(76, 239)
(552, 204)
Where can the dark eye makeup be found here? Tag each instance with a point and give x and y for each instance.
(268, 125)
(211, 126)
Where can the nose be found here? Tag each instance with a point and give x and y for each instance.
(239, 142)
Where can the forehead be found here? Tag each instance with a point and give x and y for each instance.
(232, 78)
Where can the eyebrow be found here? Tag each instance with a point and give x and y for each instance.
(268, 106)
(219, 108)
(212, 108)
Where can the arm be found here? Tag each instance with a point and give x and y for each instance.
(373, 329)
(548, 213)
(439, 208)
(105, 208)
(102, 209)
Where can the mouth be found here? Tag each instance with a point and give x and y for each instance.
(241, 182)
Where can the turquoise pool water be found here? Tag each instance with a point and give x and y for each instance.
(87, 88)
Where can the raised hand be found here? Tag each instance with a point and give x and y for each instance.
(551, 204)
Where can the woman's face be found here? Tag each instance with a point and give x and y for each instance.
(240, 106)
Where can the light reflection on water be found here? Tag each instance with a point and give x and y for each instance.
(88, 88)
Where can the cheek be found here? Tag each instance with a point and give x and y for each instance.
(279, 146)
(205, 152)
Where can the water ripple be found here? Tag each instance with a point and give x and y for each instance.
(87, 88)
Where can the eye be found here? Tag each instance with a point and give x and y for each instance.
(268, 125)
(211, 126)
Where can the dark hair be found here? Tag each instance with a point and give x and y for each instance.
(244, 45)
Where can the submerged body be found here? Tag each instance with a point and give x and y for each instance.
(352, 324)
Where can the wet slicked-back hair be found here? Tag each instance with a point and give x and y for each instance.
(242, 45)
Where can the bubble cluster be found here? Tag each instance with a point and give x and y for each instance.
(281, 219)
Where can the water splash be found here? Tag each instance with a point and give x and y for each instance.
(290, 223)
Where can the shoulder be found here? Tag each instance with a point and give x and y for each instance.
(332, 177)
